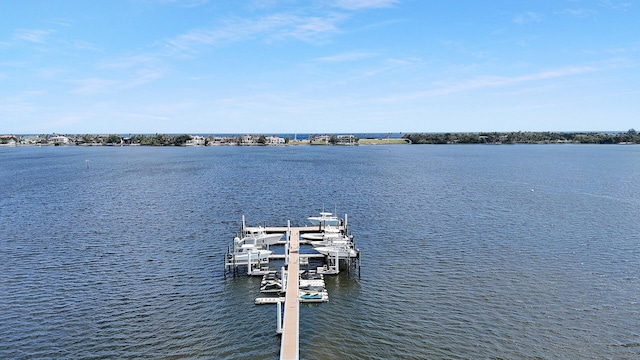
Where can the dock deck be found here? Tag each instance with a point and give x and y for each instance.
(289, 347)
(313, 289)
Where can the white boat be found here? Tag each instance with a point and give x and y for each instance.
(328, 231)
(312, 236)
(246, 249)
(340, 251)
(333, 239)
(342, 241)
(325, 218)
(261, 236)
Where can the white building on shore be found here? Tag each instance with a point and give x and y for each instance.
(196, 140)
(59, 140)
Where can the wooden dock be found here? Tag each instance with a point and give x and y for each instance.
(290, 345)
(288, 319)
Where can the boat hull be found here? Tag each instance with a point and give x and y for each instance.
(332, 251)
(325, 218)
(256, 255)
(318, 221)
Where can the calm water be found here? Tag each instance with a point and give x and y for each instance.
(468, 251)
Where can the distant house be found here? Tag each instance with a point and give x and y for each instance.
(217, 140)
(196, 140)
(274, 140)
(347, 140)
(248, 140)
(30, 140)
(323, 138)
(59, 140)
(7, 140)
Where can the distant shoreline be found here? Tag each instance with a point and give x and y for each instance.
(495, 138)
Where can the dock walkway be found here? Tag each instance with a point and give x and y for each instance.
(290, 346)
(289, 314)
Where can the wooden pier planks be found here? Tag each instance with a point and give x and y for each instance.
(290, 346)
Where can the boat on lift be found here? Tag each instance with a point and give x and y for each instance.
(325, 218)
(327, 231)
(246, 249)
(261, 237)
(335, 240)
(341, 251)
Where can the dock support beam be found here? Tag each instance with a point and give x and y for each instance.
(279, 318)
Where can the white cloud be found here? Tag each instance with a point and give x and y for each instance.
(36, 36)
(91, 86)
(615, 5)
(347, 56)
(145, 116)
(61, 22)
(127, 62)
(364, 4)
(527, 18)
(581, 13)
(272, 27)
(142, 77)
(487, 82)
(181, 3)
(83, 45)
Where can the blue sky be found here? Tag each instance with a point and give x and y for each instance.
(324, 66)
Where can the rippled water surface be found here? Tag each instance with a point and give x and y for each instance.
(467, 251)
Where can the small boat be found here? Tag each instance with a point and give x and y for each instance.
(335, 240)
(272, 276)
(311, 295)
(246, 248)
(306, 275)
(309, 288)
(327, 232)
(312, 236)
(254, 255)
(325, 218)
(271, 286)
(261, 236)
(340, 251)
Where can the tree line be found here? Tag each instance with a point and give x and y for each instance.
(522, 137)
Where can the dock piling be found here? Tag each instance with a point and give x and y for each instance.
(279, 318)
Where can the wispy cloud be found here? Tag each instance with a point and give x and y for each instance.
(347, 56)
(581, 13)
(36, 36)
(145, 116)
(92, 86)
(364, 4)
(128, 62)
(269, 28)
(142, 77)
(527, 18)
(192, 3)
(312, 24)
(404, 62)
(487, 82)
(181, 3)
(496, 81)
(266, 4)
(616, 5)
(83, 45)
(60, 22)
(126, 81)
